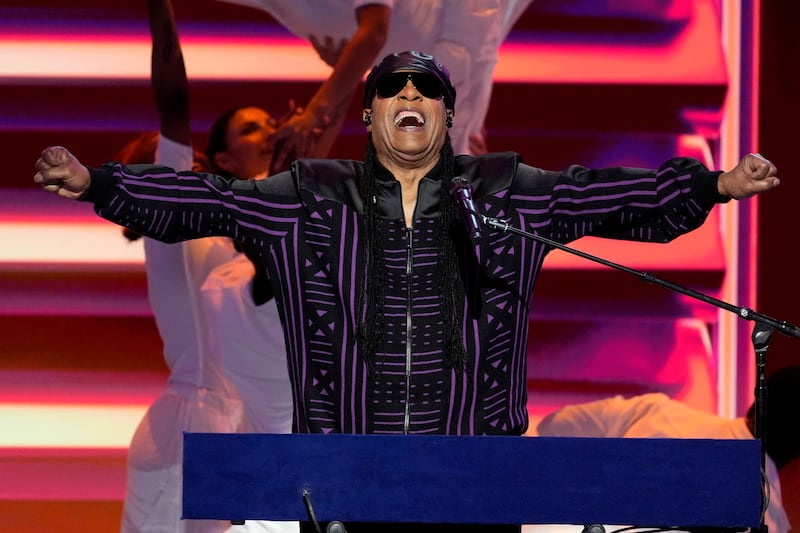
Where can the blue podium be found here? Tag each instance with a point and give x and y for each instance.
(477, 480)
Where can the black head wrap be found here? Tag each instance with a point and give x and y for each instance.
(410, 61)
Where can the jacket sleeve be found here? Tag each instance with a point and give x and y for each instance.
(624, 203)
(171, 206)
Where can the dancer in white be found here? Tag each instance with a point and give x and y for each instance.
(198, 397)
(351, 35)
(656, 415)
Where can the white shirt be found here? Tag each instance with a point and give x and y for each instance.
(175, 273)
(197, 397)
(215, 341)
(249, 342)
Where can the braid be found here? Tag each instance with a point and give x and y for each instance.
(449, 290)
(371, 320)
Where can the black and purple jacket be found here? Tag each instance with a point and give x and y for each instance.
(307, 228)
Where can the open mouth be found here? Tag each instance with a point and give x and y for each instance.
(409, 119)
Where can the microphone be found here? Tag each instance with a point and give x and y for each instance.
(462, 194)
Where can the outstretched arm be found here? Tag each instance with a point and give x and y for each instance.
(753, 175)
(170, 206)
(312, 132)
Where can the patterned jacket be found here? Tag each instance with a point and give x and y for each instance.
(308, 230)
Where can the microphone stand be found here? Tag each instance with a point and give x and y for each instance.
(333, 527)
(762, 331)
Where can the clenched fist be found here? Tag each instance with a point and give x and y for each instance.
(753, 175)
(58, 171)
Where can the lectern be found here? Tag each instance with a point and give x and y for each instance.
(478, 480)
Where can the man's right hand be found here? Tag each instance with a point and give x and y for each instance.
(60, 172)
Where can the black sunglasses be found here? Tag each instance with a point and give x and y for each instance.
(427, 84)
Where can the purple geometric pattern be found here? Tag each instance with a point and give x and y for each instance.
(307, 231)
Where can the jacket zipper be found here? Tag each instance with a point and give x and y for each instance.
(409, 257)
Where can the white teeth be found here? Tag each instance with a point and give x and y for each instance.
(409, 118)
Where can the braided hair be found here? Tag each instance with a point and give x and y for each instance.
(371, 296)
